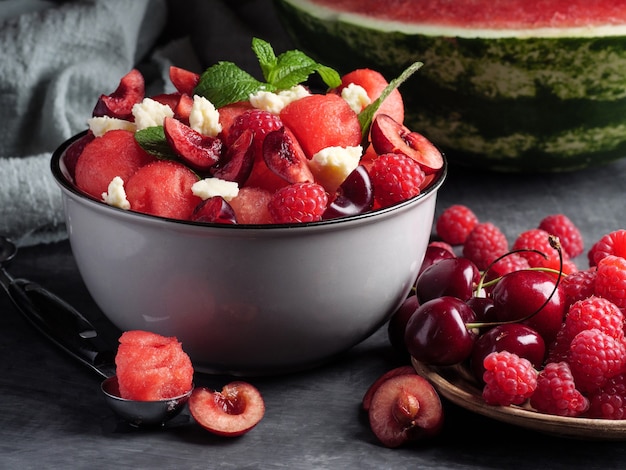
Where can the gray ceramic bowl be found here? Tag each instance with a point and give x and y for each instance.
(248, 300)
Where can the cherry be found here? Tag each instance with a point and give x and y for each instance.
(198, 151)
(405, 408)
(400, 370)
(397, 323)
(354, 196)
(434, 254)
(454, 277)
(230, 412)
(389, 136)
(183, 80)
(119, 104)
(214, 210)
(512, 337)
(436, 333)
(483, 309)
(520, 294)
(238, 161)
(284, 156)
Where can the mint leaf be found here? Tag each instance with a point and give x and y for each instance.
(225, 83)
(153, 141)
(367, 115)
(265, 53)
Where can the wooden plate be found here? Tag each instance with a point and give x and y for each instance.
(457, 385)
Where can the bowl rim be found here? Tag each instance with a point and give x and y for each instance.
(64, 180)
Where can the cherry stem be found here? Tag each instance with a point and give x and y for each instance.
(554, 243)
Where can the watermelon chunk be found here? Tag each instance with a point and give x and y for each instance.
(115, 153)
(321, 121)
(152, 367)
(163, 188)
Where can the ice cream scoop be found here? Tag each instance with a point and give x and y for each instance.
(72, 332)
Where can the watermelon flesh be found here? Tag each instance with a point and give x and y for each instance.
(491, 14)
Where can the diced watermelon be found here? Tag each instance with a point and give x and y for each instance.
(321, 121)
(163, 188)
(152, 367)
(250, 206)
(116, 153)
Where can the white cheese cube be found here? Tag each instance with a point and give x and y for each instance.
(150, 113)
(204, 118)
(210, 187)
(332, 165)
(100, 125)
(116, 195)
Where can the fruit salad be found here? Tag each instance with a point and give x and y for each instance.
(227, 148)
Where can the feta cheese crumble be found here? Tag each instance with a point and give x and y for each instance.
(100, 125)
(275, 102)
(204, 118)
(150, 113)
(332, 165)
(210, 187)
(116, 195)
(356, 97)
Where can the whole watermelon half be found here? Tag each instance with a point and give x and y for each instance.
(504, 97)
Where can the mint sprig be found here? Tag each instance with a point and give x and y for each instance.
(225, 83)
(367, 115)
(153, 141)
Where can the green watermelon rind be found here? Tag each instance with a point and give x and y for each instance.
(507, 104)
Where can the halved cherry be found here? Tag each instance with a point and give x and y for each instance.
(354, 196)
(238, 160)
(183, 80)
(396, 371)
(389, 136)
(199, 151)
(214, 210)
(284, 156)
(119, 104)
(232, 412)
(405, 408)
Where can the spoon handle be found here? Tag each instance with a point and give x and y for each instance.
(60, 323)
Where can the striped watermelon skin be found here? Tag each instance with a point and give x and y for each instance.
(505, 104)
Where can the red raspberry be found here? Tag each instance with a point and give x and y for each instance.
(484, 244)
(538, 239)
(609, 401)
(556, 392)
(595, 357)
(455, 223)
(395, 177)
(298, 202)
(594, 312)
(260, 121)
(558, 351)
(579, 285)
(570, 237)
(611, 280)
(509, 379)
(613, 243)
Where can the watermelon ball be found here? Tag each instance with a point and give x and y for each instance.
(116, 153)
(152, 367)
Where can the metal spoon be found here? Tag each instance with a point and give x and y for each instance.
(72, 332)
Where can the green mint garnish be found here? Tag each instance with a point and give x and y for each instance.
(153, 141)
(366, 116)
(226, 83)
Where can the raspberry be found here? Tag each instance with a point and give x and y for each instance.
(558, 351)
(570, 237)
(609, 401)
(611, 280)
(509, 379)
(261, 122)
(395, 177)
(613, 243)
(298, 202)
(579, 285)
(556, 392)
(594, 312)
(538, 239)
(484, 244)
(455, 223)
(595, 357)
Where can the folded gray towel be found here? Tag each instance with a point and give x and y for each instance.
(56, 58)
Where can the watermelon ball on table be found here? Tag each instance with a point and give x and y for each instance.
(506, 85)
